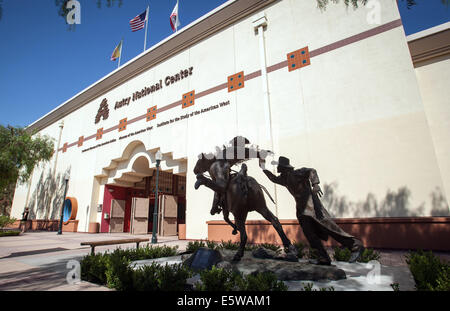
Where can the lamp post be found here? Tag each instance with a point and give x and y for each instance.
(158, 157)
(66, 179)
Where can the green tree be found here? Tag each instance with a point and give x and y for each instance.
(21, 150)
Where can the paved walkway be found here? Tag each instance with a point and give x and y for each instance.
(38, 260)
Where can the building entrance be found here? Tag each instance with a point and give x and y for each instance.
(130, 209)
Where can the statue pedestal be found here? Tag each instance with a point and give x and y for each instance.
(71, 226)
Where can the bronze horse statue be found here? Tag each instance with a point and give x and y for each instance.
(241, 194)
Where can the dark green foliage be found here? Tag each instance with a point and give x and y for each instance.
(262, 282)
(429, 272)
(309, 287)
(112, 269)
(229, 245)
(93, 268)
(118, 273)
(341, 254)
(9, 233)
(6, 220)
(173, 277)
(368, 255)
(146, 278)
(395, 287)
(218, 279)
(193, 246)
(21, 151)
(300, 249)
(344, 254)
(313, 254)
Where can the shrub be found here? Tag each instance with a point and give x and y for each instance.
(342, 254)
(309, 287)
(93, 268)
(313, 253)
(193, 246)
(229, 245)
(119, 275)
(146, 278)
(150, 252)
(6, 220)
(9, 233)
(428, 271)
(173, 277)
(265, 281)
(300, 248)
(368, 255)
(218, 279)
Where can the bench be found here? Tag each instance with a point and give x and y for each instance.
(113, 242)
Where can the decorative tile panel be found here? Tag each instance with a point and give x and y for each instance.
(99, 134)
(122, 125)
(236, 82)
(298, 59)
(188, 100)
(151, 113)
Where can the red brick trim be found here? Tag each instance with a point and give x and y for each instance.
(428, 233)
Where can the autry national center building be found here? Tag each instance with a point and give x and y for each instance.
(343, 91)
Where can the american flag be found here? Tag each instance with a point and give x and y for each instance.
(138, 22)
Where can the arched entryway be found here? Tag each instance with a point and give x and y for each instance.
(129, 193)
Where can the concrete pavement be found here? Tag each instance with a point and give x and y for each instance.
(37, 261)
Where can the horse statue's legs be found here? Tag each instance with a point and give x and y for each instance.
(240, 224)
(226, 214)
(269, 216)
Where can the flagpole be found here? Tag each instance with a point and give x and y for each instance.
(146, 26)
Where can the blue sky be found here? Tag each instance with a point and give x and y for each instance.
(42, 64)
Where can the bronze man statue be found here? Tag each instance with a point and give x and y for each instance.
(315, 221)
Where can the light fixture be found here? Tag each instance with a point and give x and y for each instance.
(158, 155)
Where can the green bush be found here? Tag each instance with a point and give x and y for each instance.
(429, 272)
(9, 233)
(146, 278)
(93, 268)
(112, 269)
(342, 254)
(368, 255)
(173, 277)
(6, 220)
(218, 279)
(193, 246)
(262, 282)
(229, 245)
(119, 275)
(309, 287)
(300, 249)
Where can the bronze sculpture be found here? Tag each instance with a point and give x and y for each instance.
(315, 221)
(237, 193)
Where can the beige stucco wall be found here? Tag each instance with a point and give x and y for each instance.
(434, 76)
(355, 114)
